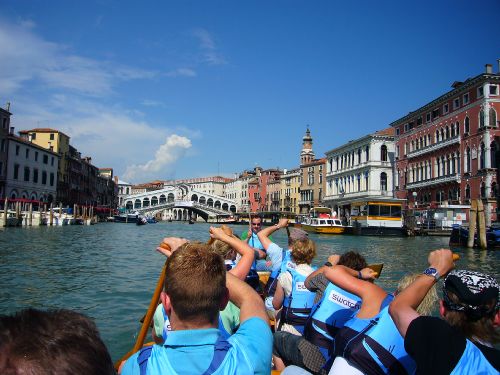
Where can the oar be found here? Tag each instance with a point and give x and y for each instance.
(149, 316)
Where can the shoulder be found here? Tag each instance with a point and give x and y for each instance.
(304, 269)
(255, 339)
(435, 346)
(131, 366)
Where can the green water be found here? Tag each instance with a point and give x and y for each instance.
(109, 271)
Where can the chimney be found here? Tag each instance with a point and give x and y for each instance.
(489, 68)
(11, 130)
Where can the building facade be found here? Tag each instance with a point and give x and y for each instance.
(312, 173)
(360, 170)
(31, 171)
(290, 191)
(448, 150)
(4, 132)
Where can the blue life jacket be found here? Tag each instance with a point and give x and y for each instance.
(167, 328)
(473, 361)
(297, 306)
(255, 242)
(286, 264)
(374, 345)
(221, 347)
(335, 308)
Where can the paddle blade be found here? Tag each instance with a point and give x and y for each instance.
(377, 268)
(456, 257)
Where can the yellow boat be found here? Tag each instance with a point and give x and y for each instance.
(321, 220)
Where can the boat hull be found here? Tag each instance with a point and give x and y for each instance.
(379, 231)
(323, 229)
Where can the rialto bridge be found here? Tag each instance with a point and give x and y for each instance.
(179, 202)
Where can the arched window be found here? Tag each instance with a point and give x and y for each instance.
(442, 134)
(437, 136)
(383, 153)
(359, 156)
(447, 132)
(467, 160)
(383, 181)
(145, 202)
(481, 118)
(493, 118)
(438, 169)
(493, 154)
(482, 157)
(367, 150)
(466, 125)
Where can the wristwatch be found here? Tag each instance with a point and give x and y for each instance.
(431, 271)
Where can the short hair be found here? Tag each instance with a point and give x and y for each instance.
(428, 303)
(52, 342)
(195, 282)
(256, 217)
(353, 260)
(303, 251)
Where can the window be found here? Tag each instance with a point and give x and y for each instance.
(466, 125)
(45, 159)
(16, 171)
(52, 179)
(435, 113)
(383, 181)
(480, 92)
(33, 135)
(419, 121)
(493, 90)
(446, 108)
(493, 118)
(466, 98)
(51, 136)
(428, 117)
(36, 155)
(44, 178)
(406, 128)
(35, 176)
(52, 161)
(17, 150)
(2, 147)
(481, 118)
(482, 157)
(383, 153)
(456, 103)
(4, 122)
(26, 173)
(467, 160)
(397, 131)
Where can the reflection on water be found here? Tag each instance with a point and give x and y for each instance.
(109, 271)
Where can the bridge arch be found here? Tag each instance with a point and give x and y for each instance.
(154, 200)
(194, 198)
(232, 209)
(137, 203)
(225, 206)
(203, 200)
(129, 205)
(217, 204)
(210, 202)
(163, 198)
(170, 197)
(145, 202)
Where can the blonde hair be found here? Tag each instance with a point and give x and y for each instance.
(430, 300)
(303, 251)
(221, 248)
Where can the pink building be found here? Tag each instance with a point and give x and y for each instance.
(447, 151)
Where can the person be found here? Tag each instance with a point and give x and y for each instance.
(291, 296)
(333, 306)
(251, 237)
(461, 342)
(369, 342)
(197, 287)
(52, 342)
(223, 242)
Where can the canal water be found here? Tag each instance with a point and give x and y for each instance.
(109, 271)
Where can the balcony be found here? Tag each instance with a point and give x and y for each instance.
(434, 181)
(433, 147)
(371, 163)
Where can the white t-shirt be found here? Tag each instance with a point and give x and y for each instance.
(341, 366)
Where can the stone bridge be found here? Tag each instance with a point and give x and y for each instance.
(179, 202)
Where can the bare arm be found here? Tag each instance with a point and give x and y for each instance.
(371, 295)
(266, 232)
(404, 307)
(247, 254)
(279, 296)
(247, 299)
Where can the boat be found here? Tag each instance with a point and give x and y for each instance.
(130, 217)
(12, 219)
(141, 220)
(227, 220)
(321, 220)
(460, 235)
(151, 220)
(191, 221)
(377, 218)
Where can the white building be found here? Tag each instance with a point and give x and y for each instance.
(360, 169)
(124, 190)
(31, 171)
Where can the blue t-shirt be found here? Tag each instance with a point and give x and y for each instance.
(191, 351)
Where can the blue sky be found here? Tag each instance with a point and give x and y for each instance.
(163, 89)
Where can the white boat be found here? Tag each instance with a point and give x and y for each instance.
(12, 219)
(321, 220)
(377, 218)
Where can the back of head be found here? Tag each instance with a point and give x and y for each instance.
(195, 282)
(428, 303)
(51, 342)
(220, 247)
(472, 300)
(353, 260)
(303, 251)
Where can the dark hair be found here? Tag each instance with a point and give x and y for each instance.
(353, 260)
(52, 342)
(195, 282)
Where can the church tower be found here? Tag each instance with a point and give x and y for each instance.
(307, 153)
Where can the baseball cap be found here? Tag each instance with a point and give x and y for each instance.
(298, 234)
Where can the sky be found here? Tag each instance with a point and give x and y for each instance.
(184, 89)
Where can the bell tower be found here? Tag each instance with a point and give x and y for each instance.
(307, 153)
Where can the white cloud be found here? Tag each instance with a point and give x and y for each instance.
(208, 47)
(174, 148)
(182, 72)
(28, 58)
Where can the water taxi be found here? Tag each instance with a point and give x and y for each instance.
(377, 218)
(321, 220)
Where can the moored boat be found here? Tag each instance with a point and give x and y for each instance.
(460, 235)
(321, 220)
(377, 218)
